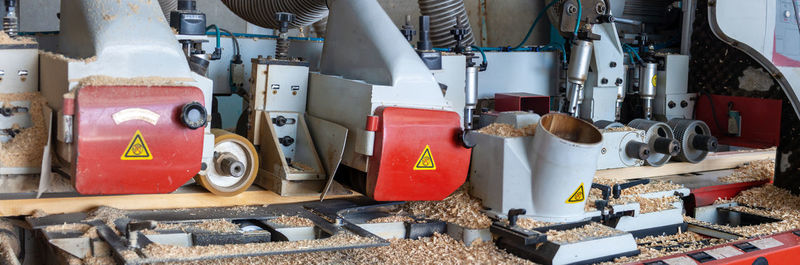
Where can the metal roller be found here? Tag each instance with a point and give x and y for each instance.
(262, 12)
(235, 165)
(603, 124)
(660, 139)
(695, 138)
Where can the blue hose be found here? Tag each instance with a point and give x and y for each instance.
(580, 12)
(218, 34)
(535, 21)
(483, 55)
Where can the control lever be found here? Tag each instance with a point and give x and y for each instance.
(513, 215)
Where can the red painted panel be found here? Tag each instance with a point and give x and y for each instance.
(761, 120)
(787, 253)
(400, 143)
(176, 150)
(522, 102)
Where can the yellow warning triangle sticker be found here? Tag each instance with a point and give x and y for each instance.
(425, 161)
(137, 149)
(577, 196)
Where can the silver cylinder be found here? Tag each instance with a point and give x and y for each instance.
(647, 87)
(470, 95)
(620, 99)
(577, 72)
(660, 139)
(563, 161)
(10, 21)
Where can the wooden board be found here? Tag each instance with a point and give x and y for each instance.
(714, 161)
(21, 207)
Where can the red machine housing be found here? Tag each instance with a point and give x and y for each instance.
(403, 135)
(101, 140)
(783, 248)
(761, 119)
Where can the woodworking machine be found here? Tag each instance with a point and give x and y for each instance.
(131, 114)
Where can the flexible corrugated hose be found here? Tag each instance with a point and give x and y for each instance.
(168, 6)
(262, 12)
(444, 16)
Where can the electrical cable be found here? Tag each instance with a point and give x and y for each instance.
(235, 41)
(535, 21)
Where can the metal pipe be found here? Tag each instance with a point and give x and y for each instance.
(647, 87)
(687, 26)
(627, 21)
(577, 72)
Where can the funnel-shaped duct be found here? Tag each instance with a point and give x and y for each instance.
(262, 12)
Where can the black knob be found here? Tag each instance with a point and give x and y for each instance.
(279, 121)
(705, 142)
(194, 115)
(637, 150)
(286, 140)
(667, 146)
(684, 104)
(671, 104)
(284, 19)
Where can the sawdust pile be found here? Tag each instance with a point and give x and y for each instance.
(292, 221)
(459, 208)
(297, 167)
(5, 39)
(630, 195)
(8, 245)
(168, 251)
(392, 219)
(591, 230)
(530, 224)
(753, 171)
(438, 249)
(217, 225)
(506, 130)
(26, 148)
(106, 215)
(653, 186)
(649, 205)
(68, 227)
(61, 57)
(101, 80)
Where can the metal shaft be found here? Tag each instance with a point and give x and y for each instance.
(647, 87)
(470, 95)
(424, 43)
(10, 21)
(577, 72)
(667, 146)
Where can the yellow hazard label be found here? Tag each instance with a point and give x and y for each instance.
(425, 161)
(654, 80)
(577, 196)
(137, 149)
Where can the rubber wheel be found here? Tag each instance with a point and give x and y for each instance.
(225, 141)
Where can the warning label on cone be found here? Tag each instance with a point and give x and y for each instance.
(137, 149)
(425, 161)
(577, 196)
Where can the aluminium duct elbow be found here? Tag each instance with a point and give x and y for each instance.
(262, 12)
(444, 15)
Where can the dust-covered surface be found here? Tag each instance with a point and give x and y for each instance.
(438, 249)
(506, 130)
(26, 148)
(621, 129)
(30, 183)
(633, 194)
(292, 221)
(770, 201)
(659, 246)
(61, 57)
(752, 171)
(8, 40)
(101, 80)
(530, 224)
(392, 219)
(459, 208)
(589, 231)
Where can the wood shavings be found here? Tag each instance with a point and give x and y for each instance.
(753, 171)
(621, 129)
(503, 130)
(591, 230)
(392, 219)
(530, 224)
(292, 221)
(649, 205)
(653, 186)
(217, 225)
(8, 40)
(459, 208)
(630, 195)
(61, 57)
(169, 251)
(68, 227)
(437, 249)
(297, 167)
(26, 148)
(101, 80)
(106, 214)
(652, 247)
